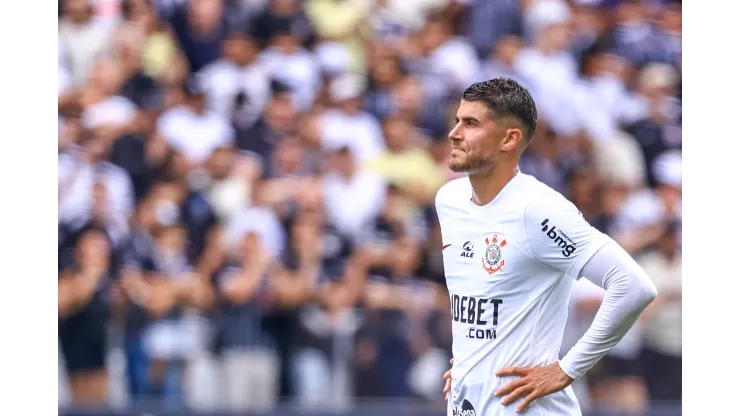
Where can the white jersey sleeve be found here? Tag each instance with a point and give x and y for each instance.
(558, 236)
(628, 292)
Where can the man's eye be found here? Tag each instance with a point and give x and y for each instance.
(470, 124)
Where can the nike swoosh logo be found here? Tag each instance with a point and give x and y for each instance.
(445, 246)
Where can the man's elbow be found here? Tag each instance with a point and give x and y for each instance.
(647, 292)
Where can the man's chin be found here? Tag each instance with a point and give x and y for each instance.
(458, 167)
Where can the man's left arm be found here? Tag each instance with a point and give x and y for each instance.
(628, 292)
(559, 237)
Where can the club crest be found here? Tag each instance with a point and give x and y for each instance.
(492, 258)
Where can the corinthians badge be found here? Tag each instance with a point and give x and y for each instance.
(492, 260)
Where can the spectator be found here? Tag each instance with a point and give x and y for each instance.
(660, 129)
(343, 22)
(501, 62)
(92, 189)
(167, 340)
(244, 294)
(287, 175)
(236, 86)
(159, 47)
(486, 22)
(406, 164)
(670, 27)
(278, 119)
(617, 384)
(321, 261)
(257, 218)
(662, 322)
(280, 14)
(446, 65)
(542, 158)
(104, 110)
(228, 181)
(293, 66)
(347, 124)
(193, 131)
(636, 39)
(352, 194)
(200, 27)
(85, 39)
(393, 19)
(589, 28)
(549, 49)
(147, 95)
(64, 79)
(409, 102)
(394, 222)
(398, 305)
(87, 280)
(386, 71)
(643, 218)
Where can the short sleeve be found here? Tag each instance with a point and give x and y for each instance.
(558, 235)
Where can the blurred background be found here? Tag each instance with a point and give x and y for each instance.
(246, 194)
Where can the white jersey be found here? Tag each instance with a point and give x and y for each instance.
(509, 267)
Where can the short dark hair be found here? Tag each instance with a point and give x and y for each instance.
(506, 98)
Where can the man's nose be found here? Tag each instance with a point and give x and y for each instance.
(455, 134)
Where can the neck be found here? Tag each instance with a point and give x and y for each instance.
(347, 175)
(487, 185)
(130, 68)
(547, 48)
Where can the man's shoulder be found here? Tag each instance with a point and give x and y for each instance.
(174, 114)
(114, 171)
(453, 192)
(533, 191)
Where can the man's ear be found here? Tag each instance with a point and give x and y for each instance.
(514, 138)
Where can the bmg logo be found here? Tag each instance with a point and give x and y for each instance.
(559, 237)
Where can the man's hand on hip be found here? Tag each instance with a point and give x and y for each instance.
(534, 382)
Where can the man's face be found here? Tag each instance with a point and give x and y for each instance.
(77, 10)
(205, 15)
(284, 6)
(280, 112)
(197, 102)
(240, 49)
(476, 138)
(344, 163)
(106, 75)
(507, 49)
(397, 134)
(96, 149)
(289, 154)
(434, 34)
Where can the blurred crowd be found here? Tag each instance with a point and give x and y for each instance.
(246, 188)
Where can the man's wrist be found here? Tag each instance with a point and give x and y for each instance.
(568, 371)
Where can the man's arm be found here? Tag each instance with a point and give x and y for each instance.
(628, 292)
(559, 237)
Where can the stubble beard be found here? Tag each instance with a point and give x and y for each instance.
(470, 164)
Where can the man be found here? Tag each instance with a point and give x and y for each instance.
(192, 130)
(511, 249)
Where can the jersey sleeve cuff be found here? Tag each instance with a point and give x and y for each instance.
(567, 369)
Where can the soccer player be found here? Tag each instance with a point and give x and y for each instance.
(512, 247)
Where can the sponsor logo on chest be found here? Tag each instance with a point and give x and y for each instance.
(468, 250)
